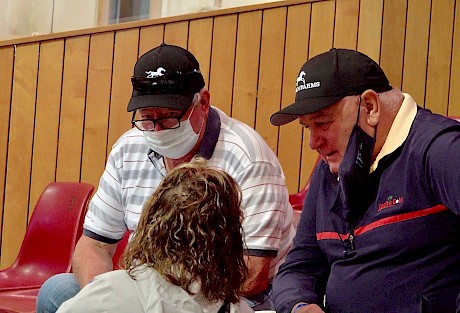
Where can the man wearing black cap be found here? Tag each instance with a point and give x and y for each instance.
(380, 226)
(174, 122)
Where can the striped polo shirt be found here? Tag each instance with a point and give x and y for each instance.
(133, 172)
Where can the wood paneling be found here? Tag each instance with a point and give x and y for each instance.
(20, 140)
(97, 107)
(392, 52)
(6, 81)
(454, 90)
(200, 42)
(125, 56)
(439, 56)
(63, 97)
(73, 103)
(246, 74)
(150, 37)
(346, 24)
(271, 69)
(48, 107)
(416, 49)
(223, 62)
(370, 28)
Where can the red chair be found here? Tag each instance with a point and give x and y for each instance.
(296, 200)
(54, 229)
(120, 249)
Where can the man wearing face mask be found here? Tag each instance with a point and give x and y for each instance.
(380, 226)
(174, 122)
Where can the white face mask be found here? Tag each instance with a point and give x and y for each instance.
(173, 143)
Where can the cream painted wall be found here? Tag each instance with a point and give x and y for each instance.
(25, 18)
(71, 14)
(20, 18)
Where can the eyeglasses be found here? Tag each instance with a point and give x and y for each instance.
(149, 124)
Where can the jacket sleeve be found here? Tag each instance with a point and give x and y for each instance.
(442, 170)
(303, 276)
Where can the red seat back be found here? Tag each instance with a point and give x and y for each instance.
(119, 252)
(54, 228)
(296, 200)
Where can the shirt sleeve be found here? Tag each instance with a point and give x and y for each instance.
(303, 276)
(267, 212)
(105, 216)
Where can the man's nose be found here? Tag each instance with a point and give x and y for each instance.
(315, 139)
(158, 127)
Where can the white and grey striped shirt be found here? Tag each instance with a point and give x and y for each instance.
(133, 172)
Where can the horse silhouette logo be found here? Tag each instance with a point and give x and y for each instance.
(301, 78)
(154, 74)
(300, 83)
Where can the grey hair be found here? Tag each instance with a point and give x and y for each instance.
(391, 99)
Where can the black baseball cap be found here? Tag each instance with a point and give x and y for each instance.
(166, 77)
(327, 78)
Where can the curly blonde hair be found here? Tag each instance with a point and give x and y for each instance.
(190, 230)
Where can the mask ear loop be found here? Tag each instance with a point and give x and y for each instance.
(357, 118)
(357, 115)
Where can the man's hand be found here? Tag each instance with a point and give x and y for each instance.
(257, 280)
(91, 258)
(311, 308)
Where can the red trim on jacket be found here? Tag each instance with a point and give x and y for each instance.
(384, 221)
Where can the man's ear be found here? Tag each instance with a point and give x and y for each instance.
(371, 100)
(205, 98)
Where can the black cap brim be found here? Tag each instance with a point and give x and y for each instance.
(302, 107)
(177, 102)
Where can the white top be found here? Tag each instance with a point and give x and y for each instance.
(117, 292)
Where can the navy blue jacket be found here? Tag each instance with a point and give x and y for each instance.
(406, 254)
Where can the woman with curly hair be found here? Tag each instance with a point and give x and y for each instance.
(186, 255)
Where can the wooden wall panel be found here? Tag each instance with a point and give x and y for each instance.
(72, 108)
(416, 49)
(16, 207)
(63, 97)
(370, 28)
(392, 52)
(271, 69)
(6, 81)
(177, 34)
(200, 43)
(439, 56)
(223, 62)
(150, 37)
(454, 90)
(48, 108)
(295, 55)
(247, 67)
(346, 24)
(97, 107)
(322, 27)
(125, 56)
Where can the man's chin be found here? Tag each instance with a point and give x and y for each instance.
(333, 167)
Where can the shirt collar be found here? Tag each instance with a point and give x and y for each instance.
(399, 129)
(211, 134)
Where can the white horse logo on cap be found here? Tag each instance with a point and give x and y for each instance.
(154, 74)
(302, 85)
(301, 78)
